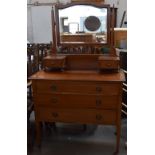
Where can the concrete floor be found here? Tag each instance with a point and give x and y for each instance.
(72, 139)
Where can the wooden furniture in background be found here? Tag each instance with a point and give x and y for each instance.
(123, 65)
(35, 55)
(120, 34)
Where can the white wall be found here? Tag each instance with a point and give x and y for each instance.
(39, 20)
(29, 25)
(122, 6)
(39, 24)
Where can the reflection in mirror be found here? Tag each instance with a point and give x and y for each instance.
(83, 23)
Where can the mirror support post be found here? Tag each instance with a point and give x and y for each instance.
(112, 48)
(53, 50)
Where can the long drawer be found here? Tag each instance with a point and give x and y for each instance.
(78, 87)
(77, 101)
(77, 115)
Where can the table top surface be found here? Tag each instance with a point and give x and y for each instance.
(79, 75)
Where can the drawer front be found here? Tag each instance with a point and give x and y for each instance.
(110, 64)
(78, 87)
(77, 101)
(54, 63)
(90, 116)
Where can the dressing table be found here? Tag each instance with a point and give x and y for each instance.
(79, 88)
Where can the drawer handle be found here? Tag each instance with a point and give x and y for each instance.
(108, 65)
(52, 63)
(55, 114)
(54, 100)
(98, 89)
(98, 117)
(98, 102)
(53, 88)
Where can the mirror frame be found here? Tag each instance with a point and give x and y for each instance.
(62, 6)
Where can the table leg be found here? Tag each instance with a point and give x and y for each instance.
(38, 133)
(118, 128)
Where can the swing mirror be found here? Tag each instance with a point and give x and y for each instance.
(82, 23)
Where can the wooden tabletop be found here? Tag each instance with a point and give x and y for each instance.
(79, 76)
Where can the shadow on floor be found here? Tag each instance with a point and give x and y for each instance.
(73, 139)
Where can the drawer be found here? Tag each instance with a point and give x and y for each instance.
(89, 116)
(57, 62)
(78, 87)
(77, 101)
(110, 64)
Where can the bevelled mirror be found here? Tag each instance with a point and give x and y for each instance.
(78, 23)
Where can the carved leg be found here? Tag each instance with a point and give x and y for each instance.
(118, 128)
(38, 133)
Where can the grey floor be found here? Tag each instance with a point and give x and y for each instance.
(72, 139)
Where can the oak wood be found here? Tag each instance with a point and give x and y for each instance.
(89, 116)
(82, 92)
(81, 96)
(82, 62)
(80, 87)
(79, 75)
(69, 100)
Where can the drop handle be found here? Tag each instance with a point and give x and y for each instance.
(54, 100)
(108, 64)
(55, 114)
(53, 88)
(98, 102)
(98, 89)
(52, 63)
(98, 117)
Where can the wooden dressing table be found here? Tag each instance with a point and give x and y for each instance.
(78, 96)
(78, 88)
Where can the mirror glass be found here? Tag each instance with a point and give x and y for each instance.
(83, 23)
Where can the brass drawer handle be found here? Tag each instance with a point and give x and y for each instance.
(98, 102)
(108, 65)
(52, 63)
(98, 117)
(54, 100)
(53, 88)
(98, 89)
(55, 114)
